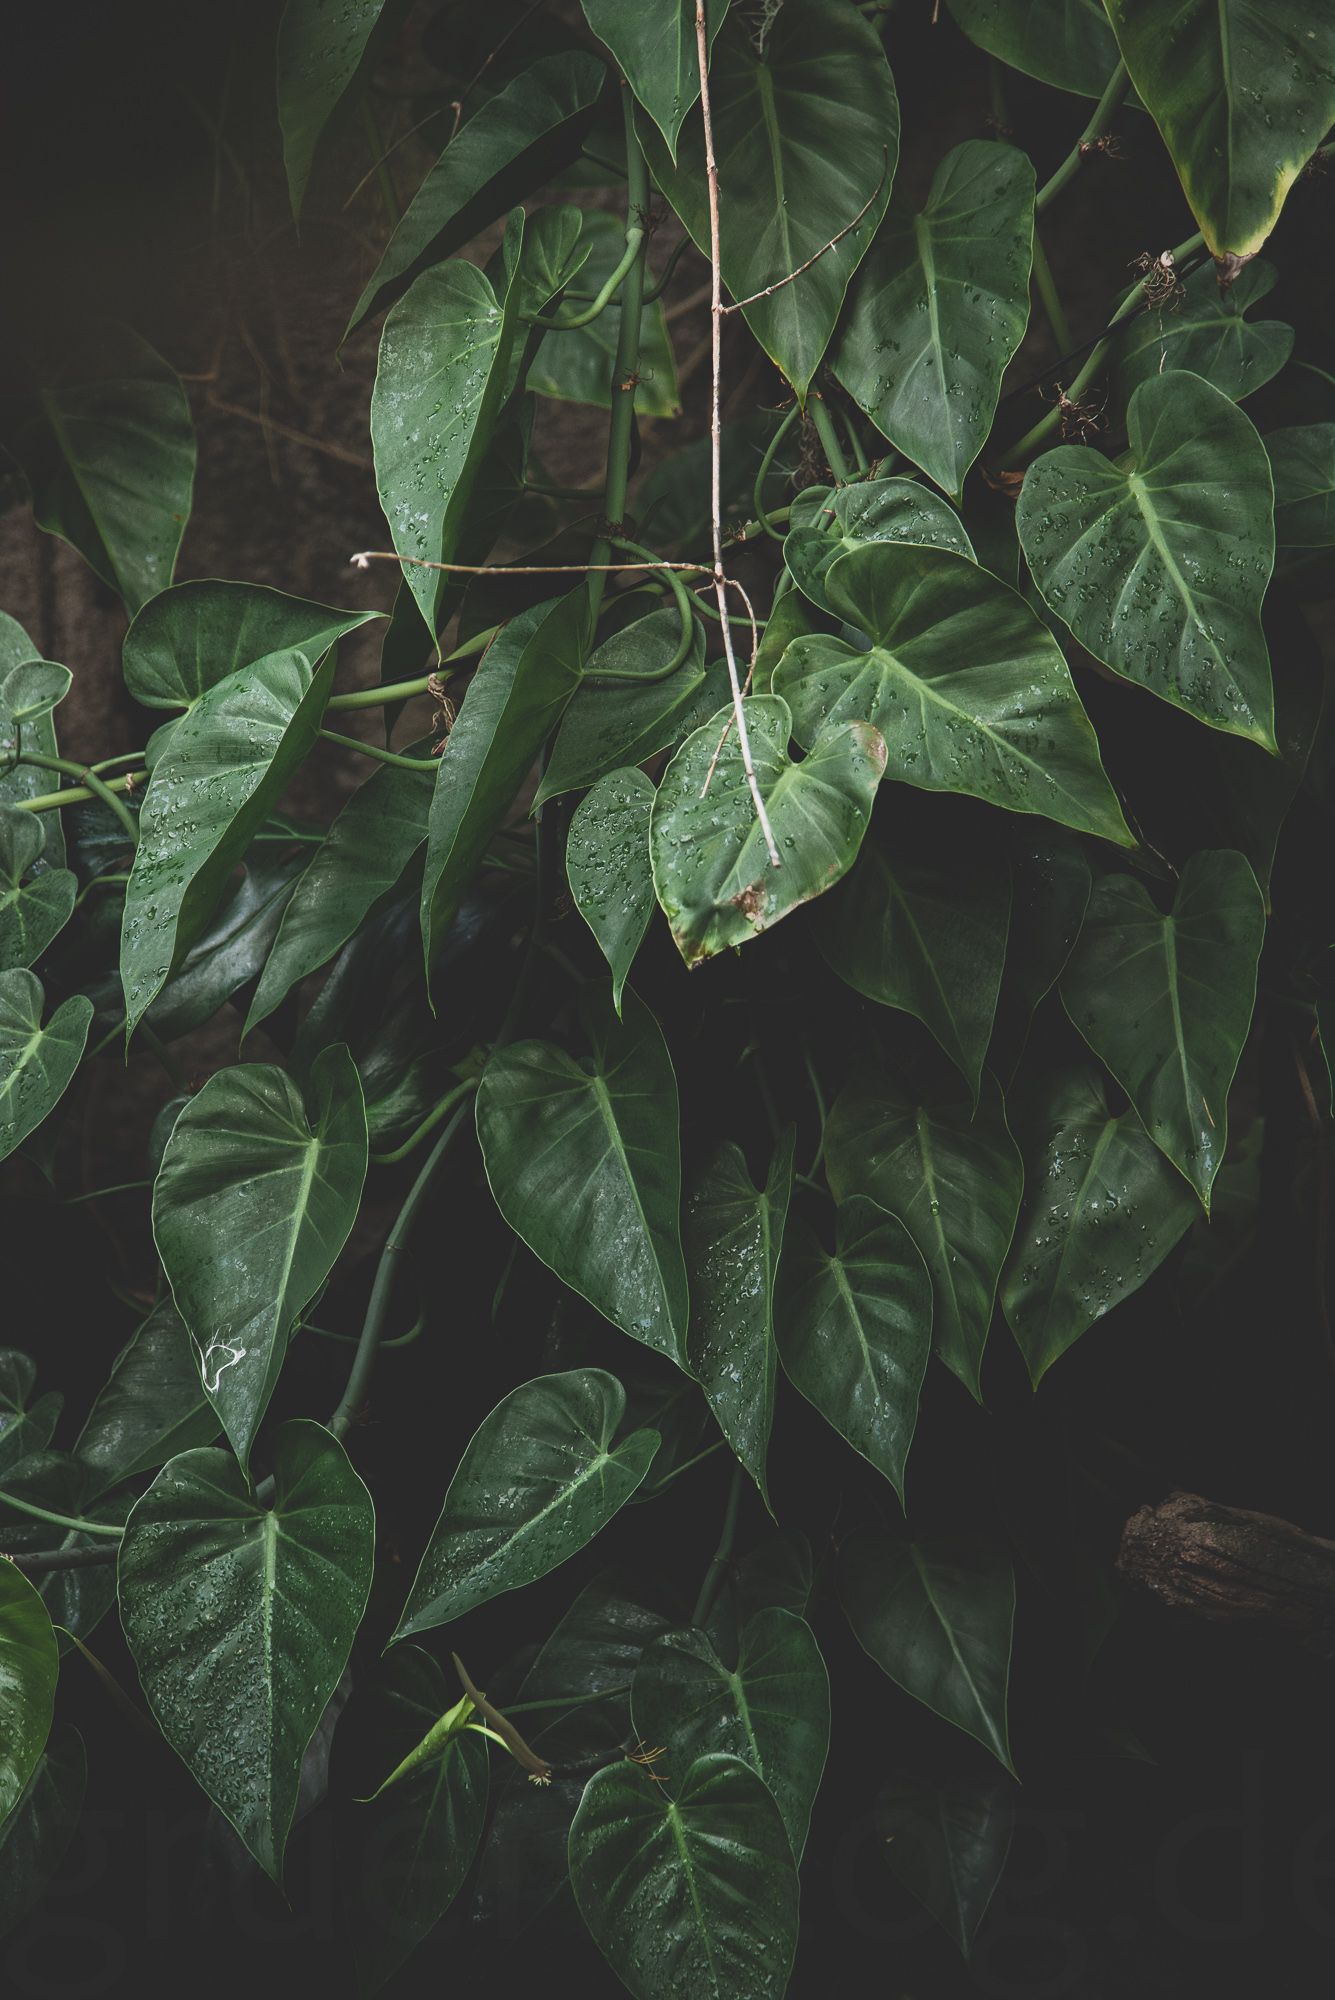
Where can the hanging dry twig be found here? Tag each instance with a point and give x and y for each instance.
(715, 439)
(366, 556)
(838, 237)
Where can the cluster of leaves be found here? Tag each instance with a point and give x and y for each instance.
(934, 639)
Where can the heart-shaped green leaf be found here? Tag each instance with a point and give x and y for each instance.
(948, 1846)
(29, 1664)
(241, 1617)
(108, 450)
(513, 702)
(772, 1710)
(361, 858)
(256, 1195)
(687, 1890)
(967, 687)
(26, 1423)
(939, 307)
(1303, 463)
(188, 638)
(1158, 562)
(657, 49)
(1207, 333)
(29, 689)
(584, 1160)
(1050, 885)
(953, 1176)
(318, 59)
(733, 1234)
(216, 782)
(926, 935)
(1243, 96)
(1102, 1210)
(825, 523)
(420, 1837)
(712, 872)
(35, 911)
(513, 142)
(1063, 42)
(806, 132)
(855, 1330)
(1166, 1000)
(609, 726)
(578, 366)
(541, 1477)
(152, 1407)
(607, 863)
(37, 1063)
(936, 1617)
(34, 1838)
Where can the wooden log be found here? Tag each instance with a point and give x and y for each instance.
(1233, 1566)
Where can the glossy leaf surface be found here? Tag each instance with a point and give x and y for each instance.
(1303, 463)
(1208, 333)
(948, 1846)
(610, 725)
(541, 1476)
(657, 49)
(1063, 42)
(607, 864)
(35, 910)
(29, 1664)
(320, 50)
(37, 1060)
(153, 1405)
(187, 639)
(825, 523)
(241, 1617)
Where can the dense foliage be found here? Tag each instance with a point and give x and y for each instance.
(956, 771)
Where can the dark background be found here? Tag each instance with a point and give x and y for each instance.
(1176, 1824)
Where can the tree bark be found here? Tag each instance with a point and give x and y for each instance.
(1233, 1566)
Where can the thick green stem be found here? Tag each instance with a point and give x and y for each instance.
(1114, 91)
(91, 786)
(625, 369)
(758, 491)
(602, 299)
(427, 764)
(73, 1523)
(1049, 298)
(829, 440)
(428, 1124)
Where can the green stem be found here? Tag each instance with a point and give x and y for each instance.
(96, 1194)
(850, 431)
(387, 1271)
(1049, 298)
(686, 637)
(661, 283)
(566, 1700)
(427, 764)
(39, 1562)
(428, 1124)
(603, 297)
(712, 1582)
(1113, 92)
(829, 440)
(758, 491)
(620, 429)
(91, 787)
(73, 1523)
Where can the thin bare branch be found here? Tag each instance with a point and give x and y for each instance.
(716, 437)
(838, 237)
(367, 556)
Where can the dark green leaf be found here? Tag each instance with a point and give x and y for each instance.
(29, 1664)
(29, 689)
(213, 787)
(35, 911)
(584, 1161)
(578, 366)
(421, 1835)
(34, 1838)
(361, 858)
(948, 1846)
(806, 133)
(688, 1891)
(926, 935)
(151, 1408)
(733, 1234)
(607, 862)
(1303, 463)
(1158, 562)
(939, 307)
(37, 1063)
(1243, 96)
(605, 728)
(936, 1617)
(26, 1425)
(1166, 1001)
(1207, 333)
(76, 1599)
(1050, 886)
(256, 1195)
(826, 523)
(772, 1710)
(953, 1178)
(512, 143)
(656, 47)
(855, 1330)
(188, 638)
(513, 702)
(241, 1617)
(540, 1478)
(320, 49)
(1063, 42)
(1258, 791)
(1102, 1210)
(109, 453)
(969, 690)
(231, 950)
(712, 873)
